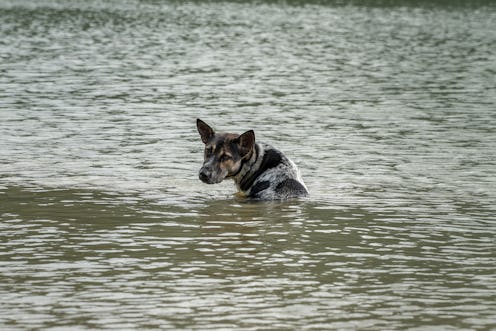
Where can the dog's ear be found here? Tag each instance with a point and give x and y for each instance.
(206, 132)
(246, 142)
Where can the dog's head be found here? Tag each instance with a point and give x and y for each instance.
(224, 153)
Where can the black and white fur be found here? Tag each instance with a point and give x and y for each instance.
(259, 170)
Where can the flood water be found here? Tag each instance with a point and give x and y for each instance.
(388, 110)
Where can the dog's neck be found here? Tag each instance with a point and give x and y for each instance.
(248, 168)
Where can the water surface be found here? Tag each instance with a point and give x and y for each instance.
(387, 109)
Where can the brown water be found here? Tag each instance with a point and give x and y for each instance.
(389, 111)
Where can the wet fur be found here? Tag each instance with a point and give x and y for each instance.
(259, 170)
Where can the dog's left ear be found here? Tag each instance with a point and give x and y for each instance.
(206, 132)
(246, 142)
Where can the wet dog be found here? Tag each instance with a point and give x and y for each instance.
(259, 170)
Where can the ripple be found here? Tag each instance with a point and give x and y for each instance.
(387, 110)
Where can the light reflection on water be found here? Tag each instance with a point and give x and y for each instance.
(388, 111)
(88, 259)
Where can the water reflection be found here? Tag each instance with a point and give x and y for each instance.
(101, 261)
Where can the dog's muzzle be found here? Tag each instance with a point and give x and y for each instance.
(204, 177)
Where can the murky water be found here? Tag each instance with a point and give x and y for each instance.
(389, 111)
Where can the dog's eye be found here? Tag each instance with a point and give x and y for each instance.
(224, 158)
(208, 151)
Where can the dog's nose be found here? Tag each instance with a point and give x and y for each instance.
(203, 176)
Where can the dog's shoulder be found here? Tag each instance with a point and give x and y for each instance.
(276, 177)
(267, 158)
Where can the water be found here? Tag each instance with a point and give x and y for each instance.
(388, 109)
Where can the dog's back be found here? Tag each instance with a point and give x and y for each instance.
(271, 175)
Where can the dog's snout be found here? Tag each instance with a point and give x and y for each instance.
(203, 176)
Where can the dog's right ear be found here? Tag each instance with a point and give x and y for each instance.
(206, 132)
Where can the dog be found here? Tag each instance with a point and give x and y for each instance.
(259, 170)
